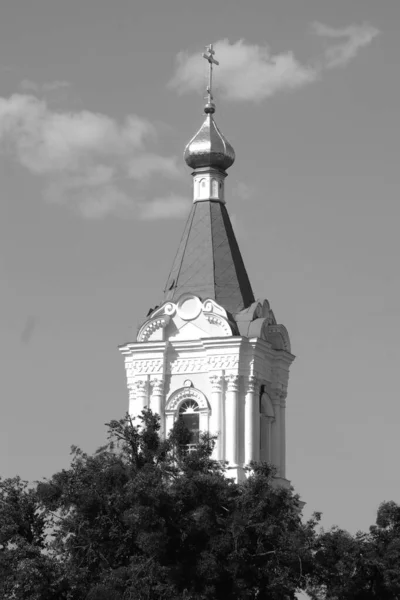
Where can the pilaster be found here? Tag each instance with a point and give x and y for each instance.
(216, 381)
(157, 403)
(251, 421)
(231, 419)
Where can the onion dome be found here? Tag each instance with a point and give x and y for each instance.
(209, 147)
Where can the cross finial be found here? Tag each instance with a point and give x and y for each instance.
(209, 56)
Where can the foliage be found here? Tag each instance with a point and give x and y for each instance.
(360, 567)
(142, 518)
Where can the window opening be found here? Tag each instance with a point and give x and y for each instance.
(189, 413)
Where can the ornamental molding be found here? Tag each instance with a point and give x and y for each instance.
(188, 308)
(282, 331)
(232, 382)
(219, 322)
(157, 386)
(223, 362)
(145, 366)
(251, 384)
(152, 326)
(188, 365)
(140, 385)
(186, 393)
(216, 383)
(203, 364)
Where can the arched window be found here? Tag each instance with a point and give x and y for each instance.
(203, 188)
(214, 188)
(190, 415)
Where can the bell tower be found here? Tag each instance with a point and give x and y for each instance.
(211, 353)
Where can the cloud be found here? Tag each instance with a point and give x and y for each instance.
(87, 160)
(165, 208)
(354, 38)
(251, 72)
(246, 72)
(27, 85)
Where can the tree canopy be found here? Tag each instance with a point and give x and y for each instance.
(142, 518)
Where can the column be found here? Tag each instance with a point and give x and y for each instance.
(251, 422)
(157, 401)
(269, 421)
(276, 432)
(216, 414)
(231, 419)
(283, 435)
(132, 404)
(141, 394)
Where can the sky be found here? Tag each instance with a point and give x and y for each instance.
(97, 101)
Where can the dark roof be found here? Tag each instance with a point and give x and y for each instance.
(208, 262)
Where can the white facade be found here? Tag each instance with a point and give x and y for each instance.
(235, 375)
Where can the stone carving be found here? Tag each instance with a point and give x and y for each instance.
(220, 322)
(282, 331)
(251, 384)
(150, 327)
(140, 385)
(223, 362)
(188, 365)
(216, 383)
(185, 394)
(157, 387)
(141, 367)
(232, 381)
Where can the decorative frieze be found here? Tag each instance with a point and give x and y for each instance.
(203, 364)
(188, 365)
(223, 362)
(142, 367)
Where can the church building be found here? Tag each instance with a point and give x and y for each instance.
(211, 353)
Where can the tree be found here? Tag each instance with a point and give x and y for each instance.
(144, 518)
(361, 567)
(26, 570)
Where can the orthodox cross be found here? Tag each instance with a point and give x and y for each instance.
(209, 55)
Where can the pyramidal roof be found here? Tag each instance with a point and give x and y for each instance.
(208, 262)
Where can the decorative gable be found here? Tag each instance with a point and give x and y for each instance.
(187, 319)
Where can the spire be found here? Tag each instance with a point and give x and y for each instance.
(208, 262)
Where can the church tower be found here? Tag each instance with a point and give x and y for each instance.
(211, 353)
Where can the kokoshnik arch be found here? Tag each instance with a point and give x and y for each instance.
(211, 353)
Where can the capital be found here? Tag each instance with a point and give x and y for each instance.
(216, 383)
(278, 396)
(251, 384)
(157, 385)
(232, 382)
(140, 385)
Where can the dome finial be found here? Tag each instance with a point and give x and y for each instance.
(209, 56)
(209, 148)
